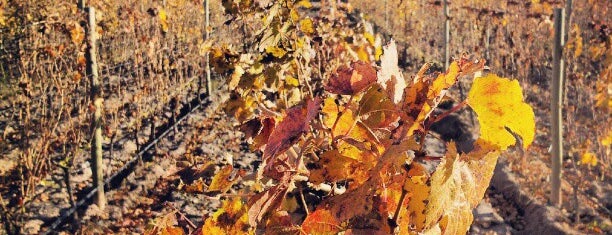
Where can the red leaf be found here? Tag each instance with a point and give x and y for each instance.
(289, 130)
(348, 81)
(259, 130)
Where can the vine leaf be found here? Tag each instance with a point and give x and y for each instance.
(390, 76)
(77, 33)
(166, 225)
(267, 201)
(224, 179)
(258, 131)
(377, 109)
(231, 218)
(351, 80)
(457, 186)
(418, 186)
(498, 103)
(289, 130)
(321, 222)
(346, 123)
(163, 20)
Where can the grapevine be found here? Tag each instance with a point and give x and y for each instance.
(325, 107)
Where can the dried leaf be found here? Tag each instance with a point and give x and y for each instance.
(223, 180)
(390, 76)
(267, 201)
(349, 81)
(289, 130)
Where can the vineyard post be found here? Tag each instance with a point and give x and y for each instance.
(81, 4)
(387, 17)
(96, 120)
(556, 107)
(568, 25)
(568, 17)
(207, 66)
(446, 34)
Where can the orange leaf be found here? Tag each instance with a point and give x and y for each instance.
(322, 222)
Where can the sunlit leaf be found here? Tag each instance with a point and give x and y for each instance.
(288, 131)
(307, 26)
(498, 103)
(588, 158)
(348, 81)
(231, 218)
(390, 76)
(223, 180)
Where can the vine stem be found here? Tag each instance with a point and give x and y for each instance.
(445, 114)
(191, 224)
(438, 118)
(399, 205)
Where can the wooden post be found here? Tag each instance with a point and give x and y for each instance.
(568, 18)
(556, 108)
(446, 35)
(81, 4)
(487, 42)
(207, 66)
(568, 26)
(96, 120)
(387, 17)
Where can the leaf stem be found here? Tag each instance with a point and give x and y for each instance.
(399, 205)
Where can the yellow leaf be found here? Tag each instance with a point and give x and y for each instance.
(204, 46)
(607, 140)
(291, 81)
(417, 185)
(369, 37)
(588, 158)
(276, 51)
(223, 180)
(2, 17)
(363, 54)
(307, 26)
(231, 218)
(498, 103)
(163, 20)
(235, 78)
(305, 4)
(442, 203)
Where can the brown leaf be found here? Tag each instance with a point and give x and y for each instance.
(289, 130)
(269, 200)
(259, 130)
(348, 81)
